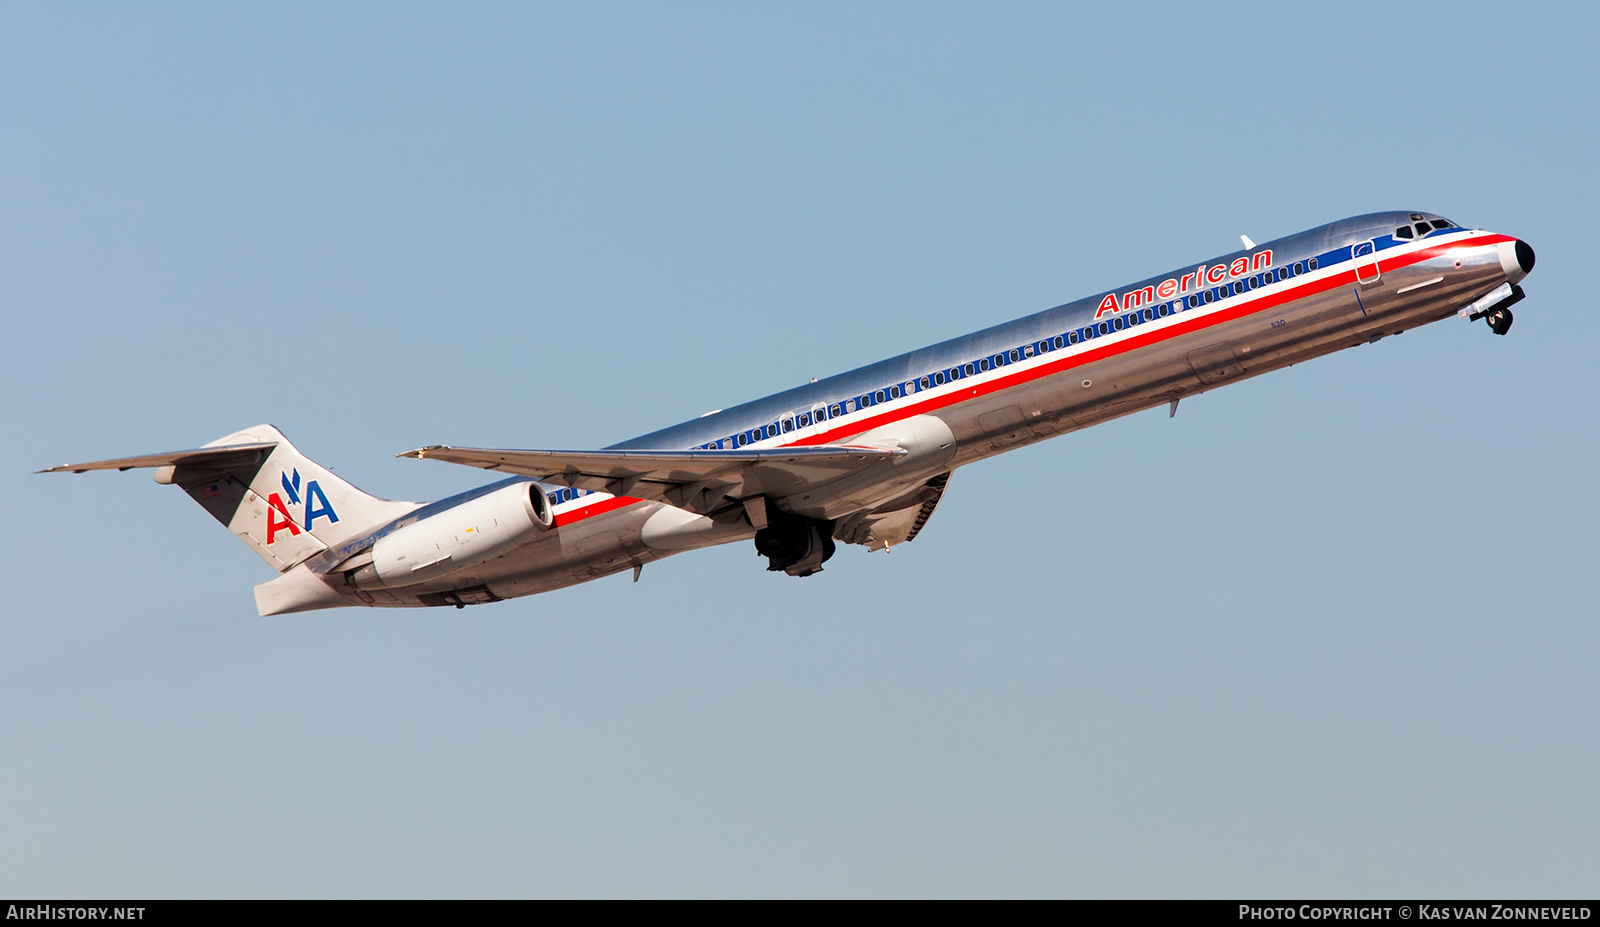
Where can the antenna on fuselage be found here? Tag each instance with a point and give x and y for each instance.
(1248, 244)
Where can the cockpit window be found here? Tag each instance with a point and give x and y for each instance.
(1403, 231)
(1422, 229)
(1441, 223)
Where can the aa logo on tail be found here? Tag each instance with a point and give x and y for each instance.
(316, 506)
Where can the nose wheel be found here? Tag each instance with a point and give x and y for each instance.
(1499, 321)
(1498, 315)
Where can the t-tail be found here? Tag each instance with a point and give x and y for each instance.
(282, 504)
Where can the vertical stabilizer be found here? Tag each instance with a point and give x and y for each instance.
(284, 505)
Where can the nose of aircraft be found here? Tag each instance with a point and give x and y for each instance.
(1516, 259)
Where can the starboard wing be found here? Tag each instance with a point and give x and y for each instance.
(697, 480)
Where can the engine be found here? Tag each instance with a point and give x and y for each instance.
(461, 536)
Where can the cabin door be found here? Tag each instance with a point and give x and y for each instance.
(1367, 270)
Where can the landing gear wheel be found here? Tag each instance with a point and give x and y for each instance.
(1499, 321)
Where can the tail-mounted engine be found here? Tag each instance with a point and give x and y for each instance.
(461, 536)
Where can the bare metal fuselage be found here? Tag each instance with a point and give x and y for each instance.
(863, 457)
(1180, 346)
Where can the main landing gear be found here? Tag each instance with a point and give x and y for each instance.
(793, 543)
(1499, 314)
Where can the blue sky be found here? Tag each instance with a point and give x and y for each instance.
(1328, 632)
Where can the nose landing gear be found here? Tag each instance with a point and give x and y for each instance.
(1499, 313)
(1499, 321)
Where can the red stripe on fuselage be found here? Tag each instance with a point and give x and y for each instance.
(590, 511)
(1247, 305)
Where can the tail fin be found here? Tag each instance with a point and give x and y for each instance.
(281, 503)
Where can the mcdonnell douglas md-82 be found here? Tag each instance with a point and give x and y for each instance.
(863, 457)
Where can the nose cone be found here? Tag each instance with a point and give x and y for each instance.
(1524, 257)
(1516, 259)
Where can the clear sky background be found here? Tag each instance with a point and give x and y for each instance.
(1331, 631)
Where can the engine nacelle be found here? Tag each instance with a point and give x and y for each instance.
(462, 536)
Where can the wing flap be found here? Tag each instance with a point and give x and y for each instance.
(895, 523)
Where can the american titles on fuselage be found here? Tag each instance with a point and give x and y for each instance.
(1234, 276)
(1177, 286)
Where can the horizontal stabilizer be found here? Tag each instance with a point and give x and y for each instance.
(281, 503)
(226, 457)
(697, 480)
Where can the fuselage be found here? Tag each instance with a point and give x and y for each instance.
(1139, 346)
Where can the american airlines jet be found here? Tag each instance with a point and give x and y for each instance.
(863, 457)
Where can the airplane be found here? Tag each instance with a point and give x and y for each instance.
(864, 457)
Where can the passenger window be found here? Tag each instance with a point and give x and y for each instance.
(1015, 356)
(803, 420)
(970, 369)
(1117, 323)
(894, 392)
(1311, 264)
(1403, 231)
(788, 425)
(1061, 342)
(1027, 350)
(1298, 268)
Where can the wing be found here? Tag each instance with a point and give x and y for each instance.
(226, 457)
(696, 480)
